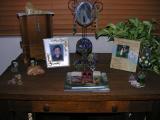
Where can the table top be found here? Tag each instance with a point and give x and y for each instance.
(50, 86)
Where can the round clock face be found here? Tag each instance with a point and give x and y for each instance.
(84, 14)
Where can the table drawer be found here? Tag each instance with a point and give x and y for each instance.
(140, 106)
(117, 106)
(71, 106)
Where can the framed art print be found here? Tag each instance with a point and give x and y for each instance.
(125, 54)
(56, 52)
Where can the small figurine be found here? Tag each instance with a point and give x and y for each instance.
(92, 61)
(133, 80)
(16, 80)
(14, 66)
(31, 9)
(34, 69)
(19, 79)
(30, 116)
(97, 76)
(12, 82)
(33, 62)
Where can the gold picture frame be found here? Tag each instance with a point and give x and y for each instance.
(125, 54)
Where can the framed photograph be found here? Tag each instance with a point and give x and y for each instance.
(56, 52)
(125, 54)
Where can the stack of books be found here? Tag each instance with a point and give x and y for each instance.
(86, 81)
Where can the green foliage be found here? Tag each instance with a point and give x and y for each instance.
(135, 29)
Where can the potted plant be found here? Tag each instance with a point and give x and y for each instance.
(135, 29)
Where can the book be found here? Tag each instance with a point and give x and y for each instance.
(97, 82)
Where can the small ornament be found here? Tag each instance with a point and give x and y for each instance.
(31, 9)
(33, 62)
(30, 116)
(144, 63)
(12, 82)
(84, 46)
(34, 69)
(18, 78)
(14, 66)
(92, 61)
(133, 80)
(145, 58)
(141, 78)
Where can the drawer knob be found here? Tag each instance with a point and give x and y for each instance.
(114, 108)
(46, 108)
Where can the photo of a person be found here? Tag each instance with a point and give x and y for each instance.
(57, 52)
(122, 51)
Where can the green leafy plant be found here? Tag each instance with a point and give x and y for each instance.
(135, 29)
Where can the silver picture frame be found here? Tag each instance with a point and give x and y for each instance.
(56, 52)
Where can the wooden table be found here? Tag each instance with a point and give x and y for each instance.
(45, 93)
